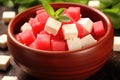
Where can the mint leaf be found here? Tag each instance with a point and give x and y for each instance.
(56, 15)
(59, 11)
(48, 8)
(63, 18)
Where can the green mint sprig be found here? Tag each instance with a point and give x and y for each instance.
(55, 14)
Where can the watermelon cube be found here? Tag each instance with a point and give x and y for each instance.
(59, 36)
(40, 11)
(58, 45)
(98, 29)
(74, 12)
(43, 32)
(42, 18)
(80, 29)
(36, 26)
(65, 10)
(42, 42)
(18, 37)
(26, 37)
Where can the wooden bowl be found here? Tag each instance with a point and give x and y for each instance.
(64, 65)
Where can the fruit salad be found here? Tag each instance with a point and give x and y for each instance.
(67, 31)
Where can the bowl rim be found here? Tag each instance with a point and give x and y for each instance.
(12, 36)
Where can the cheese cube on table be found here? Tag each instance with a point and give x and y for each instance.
(116, 46)
(87, 25)
(3, 41)
(8, 15)
(94, 3)
(88, 40)
(4, 62)
(9, 78)
(52, 26)
(74, 44)
(70, 31)
(26, 26)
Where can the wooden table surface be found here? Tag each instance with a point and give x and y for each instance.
(110, 71)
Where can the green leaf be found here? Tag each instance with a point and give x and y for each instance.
(77, 1)
(114, 16)
(113, 10)
(24, 1)
(56, 15)
(48, 8)
(22, 8)
(8, 3)
(105, 3)
(84, 1)
(58, 1)
(116, 20)
(117, 5)
(59, 11)
(63, 18)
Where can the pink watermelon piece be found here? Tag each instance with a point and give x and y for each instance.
(44, 32)
(74, 12)
(65, 10)
(80, 29)
(98, 29)
(58, 45)
(36, 26)
(42, 42)
(18, 37)
(40, 11)
(25, 37)
(59, 36)
(42, 18)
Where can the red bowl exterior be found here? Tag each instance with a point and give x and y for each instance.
(65, 65)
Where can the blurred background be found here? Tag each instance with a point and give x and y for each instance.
(109, 7)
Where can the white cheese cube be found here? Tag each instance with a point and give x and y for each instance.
(88, 40)
(9, 78)
(8, 15)
(87, 25)
(94, 3)
(4, 62)
(70, 31)
(74, 44)
(26, 26)
(3, 41)
(52, 26)
(116, 46)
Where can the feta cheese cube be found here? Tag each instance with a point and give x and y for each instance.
(3, 41)
(4, 62)
(52, 26)
(26, 26)
(116, 46)
(9, 78)
(88, 40)
(8, 15)
(70, 31)
(74, 44)
(94, 3)
(87, 25)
